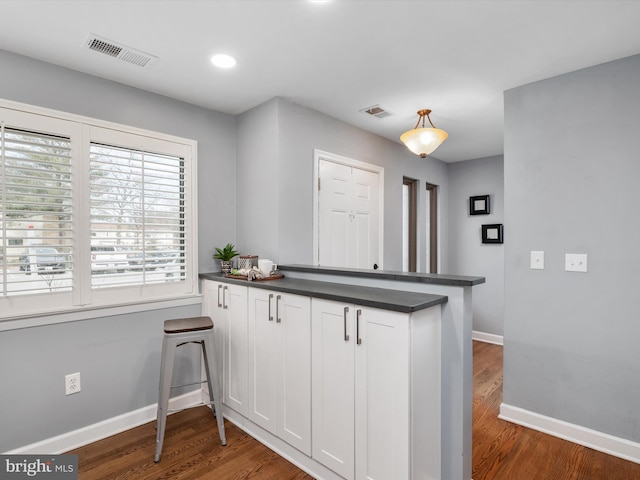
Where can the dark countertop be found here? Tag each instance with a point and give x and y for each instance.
(394, 300)
(432, 278)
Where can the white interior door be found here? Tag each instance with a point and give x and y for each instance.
(349, 219)
(334, 213)
(364, 241)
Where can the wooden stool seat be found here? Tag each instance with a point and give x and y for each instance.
(180, 325)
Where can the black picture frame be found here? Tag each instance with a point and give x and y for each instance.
(492, 233)
(479, 205)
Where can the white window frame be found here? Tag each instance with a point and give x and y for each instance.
(17, 311)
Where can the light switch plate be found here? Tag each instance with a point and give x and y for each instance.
(575, 262)
(537, 260)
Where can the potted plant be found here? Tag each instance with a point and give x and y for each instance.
(225, 255)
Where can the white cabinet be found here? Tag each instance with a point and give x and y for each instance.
(347, 391)
(264, 339)
(226, 304)
(361, 390)
(280, 365)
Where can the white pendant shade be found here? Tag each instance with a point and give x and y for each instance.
(423, 141)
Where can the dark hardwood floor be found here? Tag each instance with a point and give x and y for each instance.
(505, 451)
(192, 450)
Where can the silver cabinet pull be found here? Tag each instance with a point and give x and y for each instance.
(224, 297)
(270, 316)
(346, 335)
(278, 319)
(219, 288)
(358, 339)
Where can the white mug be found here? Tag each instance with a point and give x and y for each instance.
(265, 266)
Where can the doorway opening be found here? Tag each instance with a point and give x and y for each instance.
(409, 224)
(432, 228)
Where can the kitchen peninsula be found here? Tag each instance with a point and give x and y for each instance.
(350, 373)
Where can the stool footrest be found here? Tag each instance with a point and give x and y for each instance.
(208, 404)
(188, 384)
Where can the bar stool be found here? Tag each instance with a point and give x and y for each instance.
(177, 333)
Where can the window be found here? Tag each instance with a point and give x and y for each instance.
(409, 220)
(137, 217)
(93, 214)
(36, 211)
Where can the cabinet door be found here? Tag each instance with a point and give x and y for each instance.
(293, 326)
(332, 373)
(235, 376)
(263, 359)
(212, 307)
(280, 365)
(208, 297)
(382, 387)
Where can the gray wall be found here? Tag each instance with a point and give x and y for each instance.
(571, 180)
(258, 188)
(119, 361)
(37, 83)
(468, 255)
(117, 356)
(287, 165)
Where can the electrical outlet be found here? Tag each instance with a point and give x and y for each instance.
(72, 383)
(537, 260)
(575, 262)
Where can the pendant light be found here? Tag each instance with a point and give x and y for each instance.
(424, 140)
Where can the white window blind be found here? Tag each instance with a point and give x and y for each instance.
(37, 239)
(137, 217)
(93, 214)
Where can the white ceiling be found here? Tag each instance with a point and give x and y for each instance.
(454, 57)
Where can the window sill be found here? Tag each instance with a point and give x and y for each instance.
(85, 313)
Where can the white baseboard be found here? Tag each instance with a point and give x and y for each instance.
(603, 442)
(111, 426)
(488, 338)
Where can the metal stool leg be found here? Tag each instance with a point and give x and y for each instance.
(213, 383)
(166, 372)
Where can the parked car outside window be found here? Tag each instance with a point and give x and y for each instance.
(151, 260)
(108, 258)
(43, 259)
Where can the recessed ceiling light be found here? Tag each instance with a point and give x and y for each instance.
(222, 60)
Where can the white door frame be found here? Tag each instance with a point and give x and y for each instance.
(332, 157)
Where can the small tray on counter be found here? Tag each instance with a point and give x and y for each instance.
(244, 277)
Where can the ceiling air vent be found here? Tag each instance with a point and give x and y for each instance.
(376, 111)
(118, 51)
